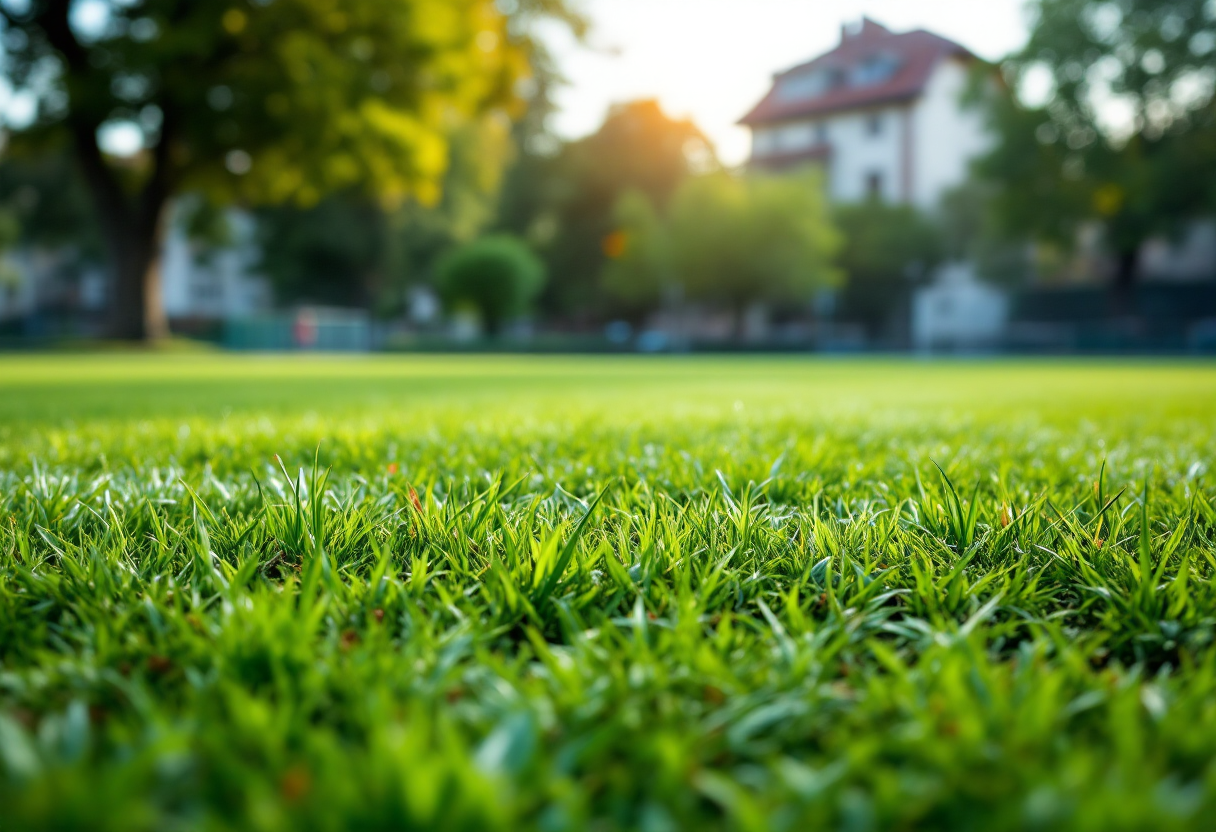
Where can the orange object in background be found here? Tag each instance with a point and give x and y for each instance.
(615, 244)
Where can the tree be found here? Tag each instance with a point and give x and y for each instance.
(350, 250)
(565, 201)
(1125, 128)
(50, 203)
(330, 253)
(637, 271)
(732, 241)
(255, 101)
(498, 276)
(970, 232)
(887, 248)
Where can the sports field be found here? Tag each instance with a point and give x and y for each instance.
(606, 593)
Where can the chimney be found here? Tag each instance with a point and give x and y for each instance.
(865, 26)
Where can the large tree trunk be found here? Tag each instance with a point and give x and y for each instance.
(137, 311)
(132, 223)
(1123, 293)
(134, 230)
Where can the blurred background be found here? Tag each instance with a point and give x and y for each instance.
(609, 175)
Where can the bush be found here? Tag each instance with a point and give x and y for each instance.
(499, 276)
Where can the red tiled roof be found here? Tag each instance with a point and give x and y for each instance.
(917, 53)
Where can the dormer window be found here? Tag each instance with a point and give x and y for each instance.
(874, 70)
(810, 84)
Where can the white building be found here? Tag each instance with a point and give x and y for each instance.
(213, 284)
(882, 114)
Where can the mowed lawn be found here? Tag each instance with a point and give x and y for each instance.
(484, 593)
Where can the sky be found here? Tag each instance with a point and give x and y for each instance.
(711, 60)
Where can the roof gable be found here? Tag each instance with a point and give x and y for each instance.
(869, 67)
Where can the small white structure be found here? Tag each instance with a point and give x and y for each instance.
(957, 311)
(882, 114)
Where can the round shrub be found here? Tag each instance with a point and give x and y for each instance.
(498, 275)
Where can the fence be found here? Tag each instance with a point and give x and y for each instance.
(315, 328)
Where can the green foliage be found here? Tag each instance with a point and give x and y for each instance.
(497, 275)
(10, 230)
(329, 253)
(566, 203)
(349, 250)
(638, 270)
(1129, 123)
(970, 230)
(728, 241)
(259, 102)
(735, 240)
(49, 203)
(887, 250)
(319, 99)
(559, 593)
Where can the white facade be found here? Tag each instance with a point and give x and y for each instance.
(34, 279)
(907, 152)
(946, 135)
(221, 285)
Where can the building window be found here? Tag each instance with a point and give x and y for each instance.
(206, 290)
(807, 85)
(875, 70)
(874, 125)
(874, 185)
(764, 142)
(797, 136)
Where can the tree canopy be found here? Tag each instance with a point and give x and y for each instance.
(1112, 121)
(350, 250)
(280, 101)
(565, 204)
(497, 276)
(727, 241)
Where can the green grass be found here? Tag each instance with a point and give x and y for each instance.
(579, 593)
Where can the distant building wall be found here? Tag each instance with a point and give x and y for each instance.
(18, 292)
(214, 285)
(946, 136)
(882, 112)
(907, 152)
(50, 291)
(1191, 257)
(866, 158)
